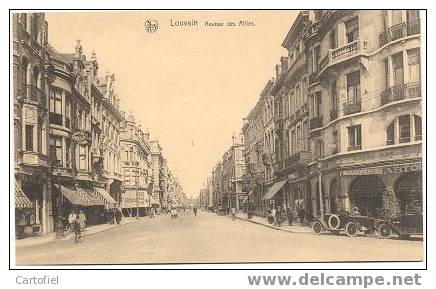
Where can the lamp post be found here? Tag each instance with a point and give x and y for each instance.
(137, 197)
(321, 201)
(60, 233)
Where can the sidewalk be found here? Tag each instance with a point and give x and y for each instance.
(38, 240)
(296, 228)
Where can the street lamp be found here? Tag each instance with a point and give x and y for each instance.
(60, 233)
(137, 197)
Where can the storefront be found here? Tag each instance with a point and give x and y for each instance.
(135, 203)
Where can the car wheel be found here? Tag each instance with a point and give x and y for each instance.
(334, 222)
(384, 231)
(351, 229)
(317, 227)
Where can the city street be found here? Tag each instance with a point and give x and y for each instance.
(210, 238)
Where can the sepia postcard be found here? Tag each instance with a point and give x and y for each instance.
(216, 136)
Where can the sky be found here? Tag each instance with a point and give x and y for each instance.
(191, 86)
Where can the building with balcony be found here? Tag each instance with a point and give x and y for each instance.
(159, 168)
(254, 180)
(136, 168)
(33, 200)
(365, 111)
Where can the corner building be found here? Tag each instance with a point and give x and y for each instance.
(365, 111)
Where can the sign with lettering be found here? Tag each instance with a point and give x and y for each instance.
(391, 169)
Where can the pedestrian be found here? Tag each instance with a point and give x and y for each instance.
(152, 213)
(279, 216)
(301, 215)
(75, 225)
(274, 216)
(21, 224)
(233, 211)
(82, 220)
(195, 211)
(118, 216)
(290, 215)
(71, 218)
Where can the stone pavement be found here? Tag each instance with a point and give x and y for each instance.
(38, 240)
(295, 228)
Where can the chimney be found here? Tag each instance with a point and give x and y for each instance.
(278, 71)
(285, 63)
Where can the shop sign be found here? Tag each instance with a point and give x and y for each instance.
(392, 169)
(80, 137)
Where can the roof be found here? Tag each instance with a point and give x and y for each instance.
(295, 28)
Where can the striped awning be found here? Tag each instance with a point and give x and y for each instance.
(89, 195)
(105, 196)
(21, 200)
(73, 196)
(274, 189)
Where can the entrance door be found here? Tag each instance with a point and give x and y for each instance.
(408, 190)
(366, 194)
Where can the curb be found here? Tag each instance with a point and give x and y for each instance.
(272, 227)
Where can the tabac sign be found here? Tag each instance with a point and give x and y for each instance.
(384, 170)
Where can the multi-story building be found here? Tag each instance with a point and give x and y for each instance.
(291, 151)
(136, 166)
(217, 190)
(365, 111)
(254, 178)
(159, 169)
(33, 201)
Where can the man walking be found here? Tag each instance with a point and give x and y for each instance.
(82, 220)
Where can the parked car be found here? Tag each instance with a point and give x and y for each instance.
(345, 222)
(403, 226)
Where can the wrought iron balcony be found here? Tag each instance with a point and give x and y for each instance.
(354, 106)
(313, 77)
(355, 148)
(398, 31)
(315, 122)
(401, 92)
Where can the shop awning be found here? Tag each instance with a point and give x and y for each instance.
(21, 200)
(72, 195)
(274, 189)
(90, 197)
(105, 195)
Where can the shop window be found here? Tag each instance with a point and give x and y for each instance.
(352, 29)
(29, 137)
(354, 137)
(404, 128)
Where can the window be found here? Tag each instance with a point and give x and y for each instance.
(67, 111)
(55, 107)
(354, 137)
(352, 29)
(353, 87)
(34, 27)
(83, 163)
(299, 138)
(68, 153)
(293, 142)
(298, 95)
(79, 119)
(131, 154)
(56, 153)
(29, 137)
(398, 70)
(413, 59)
(317, 104)
(335, 142)
(334, 95)
(333, 43)
(40, 134)
(305, 132)
(390, 134)
(397, 17)
(412, 14)
(418, 127)
(404, 128)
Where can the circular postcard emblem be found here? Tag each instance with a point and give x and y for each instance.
(151, 25)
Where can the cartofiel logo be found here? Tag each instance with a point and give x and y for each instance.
(151, 25)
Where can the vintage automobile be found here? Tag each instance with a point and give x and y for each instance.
(346, 222)
(404, 226)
